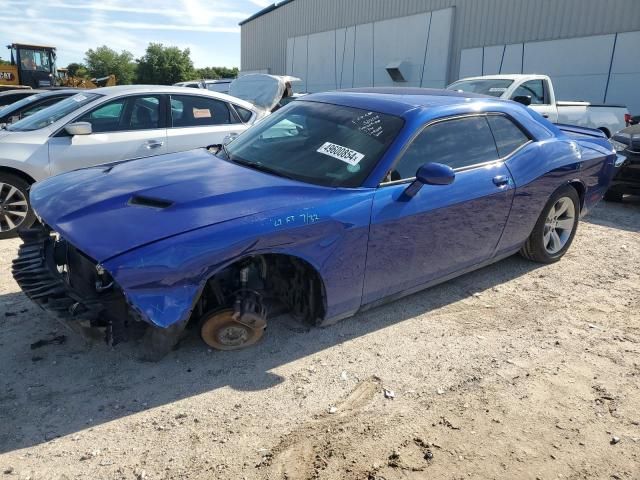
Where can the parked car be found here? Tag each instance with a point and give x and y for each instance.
(105, 125)
(379, 194)
(537, 92)
(627, 179)
(32, 104)
(11, 96)
(221, 85)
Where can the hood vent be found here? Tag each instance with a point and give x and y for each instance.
(141, 201)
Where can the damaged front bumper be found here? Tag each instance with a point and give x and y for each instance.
(65, 282)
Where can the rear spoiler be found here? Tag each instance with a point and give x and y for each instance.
(576, 131)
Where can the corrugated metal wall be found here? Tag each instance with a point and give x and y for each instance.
(476, 23)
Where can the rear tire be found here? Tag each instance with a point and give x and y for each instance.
(555, 229)
(613, 196)
(15, 210)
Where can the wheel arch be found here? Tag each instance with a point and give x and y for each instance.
(579, 186)
(277, 261)
(606, 131)
(18, 173)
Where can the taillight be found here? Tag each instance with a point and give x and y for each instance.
(627, 119)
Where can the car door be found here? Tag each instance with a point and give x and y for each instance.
(199, 121)
(122, 129)
(443, 229)
(538, 92)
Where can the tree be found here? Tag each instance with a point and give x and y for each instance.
(77, 70)
(215, 72)
(162, 65)
(4, 62)
(104, 61)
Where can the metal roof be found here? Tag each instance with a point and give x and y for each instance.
(266, 10)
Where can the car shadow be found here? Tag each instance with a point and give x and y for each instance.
(59, 389)
(623, 215)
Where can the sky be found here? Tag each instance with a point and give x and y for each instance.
(209, 28)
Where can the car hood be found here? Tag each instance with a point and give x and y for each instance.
(4, 133)
(110, 209)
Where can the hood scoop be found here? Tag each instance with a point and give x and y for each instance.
(149, 202)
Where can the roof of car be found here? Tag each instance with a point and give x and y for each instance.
(514, 76)
(50, 93)
(40, 93)
(124, 89)
(396, 101)
(29, 91)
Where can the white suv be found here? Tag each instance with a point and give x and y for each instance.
(106, 125)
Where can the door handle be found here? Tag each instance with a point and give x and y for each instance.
(545, 115)
(151, 144)
(501, 180)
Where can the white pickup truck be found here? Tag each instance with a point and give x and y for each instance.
(537, 92)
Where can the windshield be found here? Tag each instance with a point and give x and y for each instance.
(19, 104)
(35, 60)
(493, 87)
(52, 114)
(318, 143)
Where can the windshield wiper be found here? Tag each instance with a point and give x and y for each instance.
(262, 168)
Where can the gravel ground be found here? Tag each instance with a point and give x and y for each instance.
(513, 371)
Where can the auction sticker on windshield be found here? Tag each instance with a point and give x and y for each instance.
(341, 153)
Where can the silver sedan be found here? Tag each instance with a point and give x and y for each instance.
(106, 125)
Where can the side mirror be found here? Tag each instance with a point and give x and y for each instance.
(523, 99)
(79, 128)
(431, 174)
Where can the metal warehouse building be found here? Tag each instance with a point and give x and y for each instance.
(590, 48)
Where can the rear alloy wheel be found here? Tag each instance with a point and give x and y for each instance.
(553, 233)
(15, 211)
(559, 225)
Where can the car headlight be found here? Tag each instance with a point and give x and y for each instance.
(618, 146)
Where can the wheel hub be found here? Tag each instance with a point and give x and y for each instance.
(559, 225)
(13, 207)
(224, 330)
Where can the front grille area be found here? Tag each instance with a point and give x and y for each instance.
(35, 275)
(63, 281)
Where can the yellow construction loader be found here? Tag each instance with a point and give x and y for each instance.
(34, 66)
(66, 80)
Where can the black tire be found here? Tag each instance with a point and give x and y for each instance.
(612, 196)
(534, 248)
(8, 180)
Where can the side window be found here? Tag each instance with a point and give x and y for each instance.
(144, 113)
(196, 111)
(123, 114)
(458, 143)
(105, 118)
(508, 135)
(243, 113)
(533, 89)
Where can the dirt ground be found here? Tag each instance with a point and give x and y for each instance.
(515, 371)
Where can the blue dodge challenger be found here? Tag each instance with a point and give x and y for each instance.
(334, 204)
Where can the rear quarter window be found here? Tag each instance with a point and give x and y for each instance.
(244, 114)
(509, 137)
